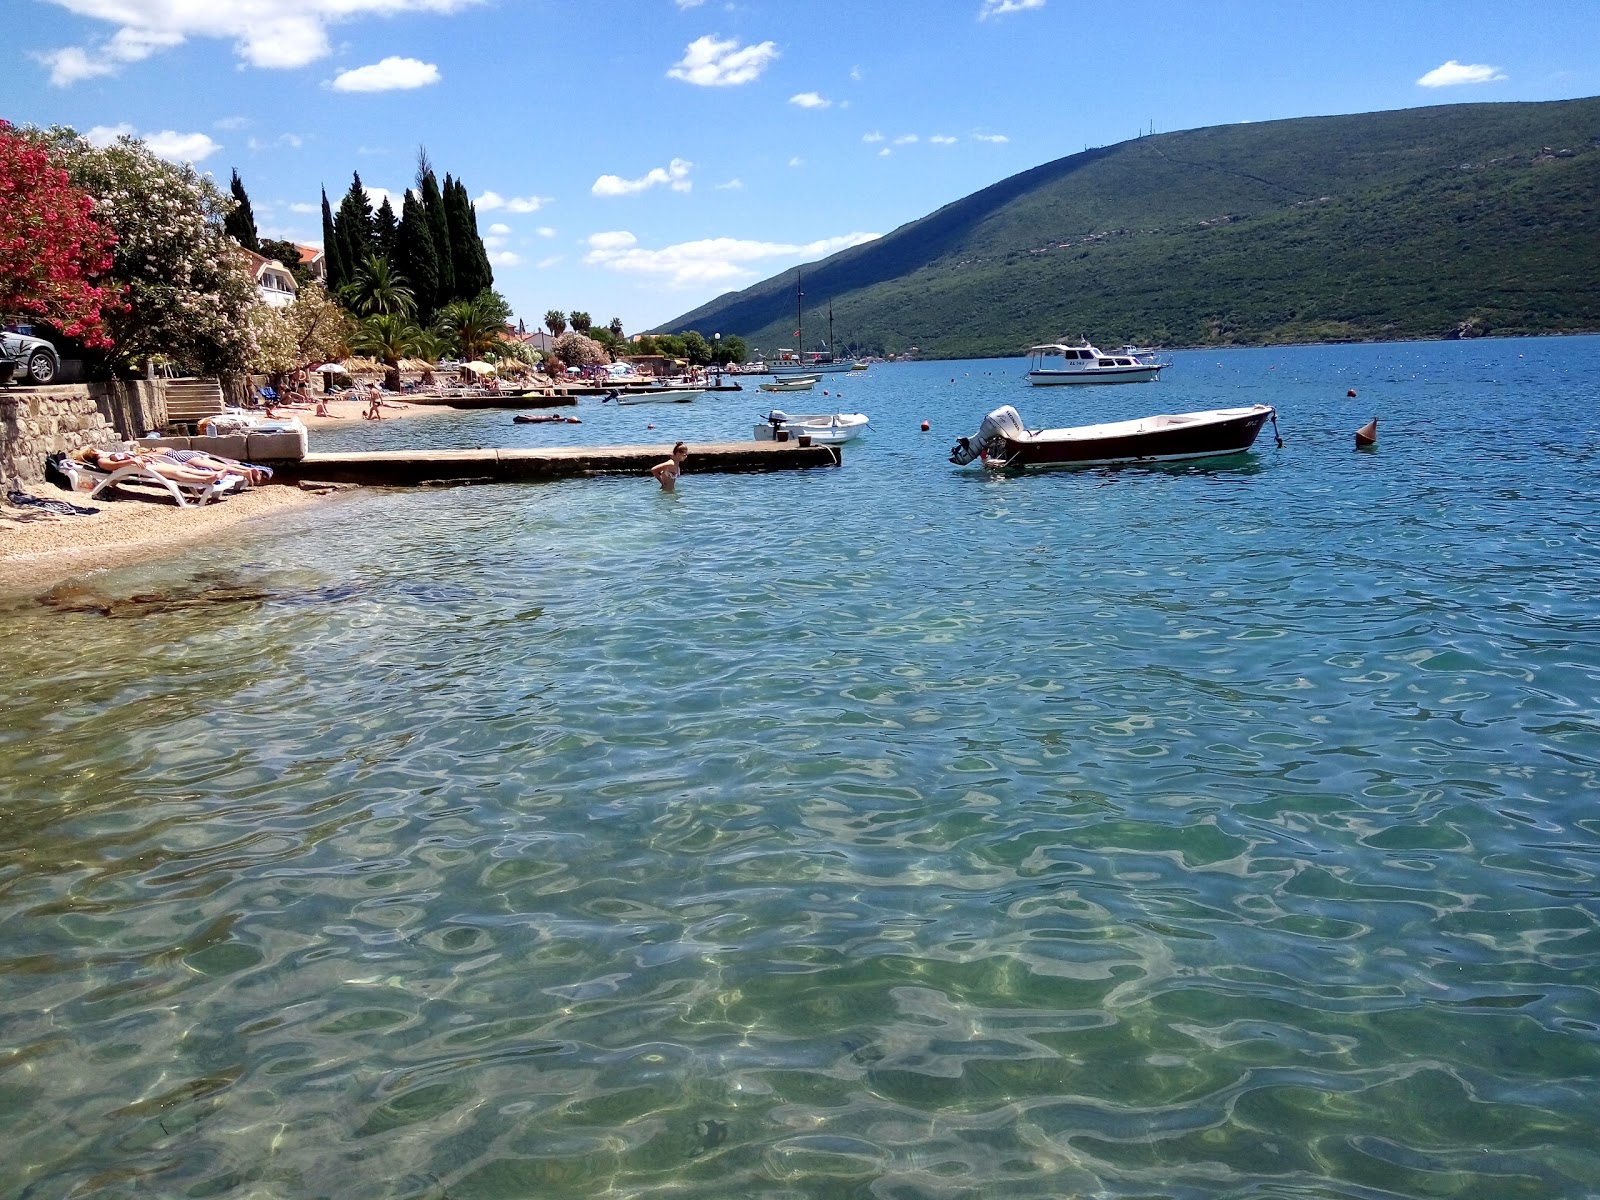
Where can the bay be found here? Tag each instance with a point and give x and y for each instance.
(892, 831)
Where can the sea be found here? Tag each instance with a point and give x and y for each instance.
(887, 831)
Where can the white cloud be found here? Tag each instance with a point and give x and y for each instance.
(545, 231)
(855, 73)
(797, 161)
(544, 264)
(232, 123)
(809, 100)
(885, 152)
(377, 195)
(712, 62)
(709, 261)
(289, 140)
(1453, 74)
(516, 205)
(940, 139)
(499, 230)
(999, 8)
(909, 139)
(999, 139)
(733, 185)
(393, 74)
(872, 137)
(505, 258)
(674, 175)
(265, 33)
(168, 144)
(304, 209)
(494, 242)
(688, 4)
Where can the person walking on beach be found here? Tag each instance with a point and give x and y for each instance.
(667, 473)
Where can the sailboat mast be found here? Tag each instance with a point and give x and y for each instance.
(799, 320)
(830, 329)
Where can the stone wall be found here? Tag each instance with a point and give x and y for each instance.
(38, 421)
(134, 407)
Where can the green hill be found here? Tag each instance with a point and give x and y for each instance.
(1428, 222)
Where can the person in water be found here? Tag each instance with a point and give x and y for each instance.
(667, 473)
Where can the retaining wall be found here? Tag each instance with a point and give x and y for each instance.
(35, 422)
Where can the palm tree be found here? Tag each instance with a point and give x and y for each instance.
(581, 322)
(378, 289)
(556, 322)
(387, 337)
(615, 326)
(474, 324)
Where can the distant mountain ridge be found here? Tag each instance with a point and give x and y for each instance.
(1457, 220)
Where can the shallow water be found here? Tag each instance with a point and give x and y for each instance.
(891, 831)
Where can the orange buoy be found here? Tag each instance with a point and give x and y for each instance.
(1367, 435)
(926, 427)
(1351, 393)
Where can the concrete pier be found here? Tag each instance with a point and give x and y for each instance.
(409, 468)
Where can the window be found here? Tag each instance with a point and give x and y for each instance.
(1108, 362)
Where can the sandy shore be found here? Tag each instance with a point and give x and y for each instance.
(342, 412)
(39, 548)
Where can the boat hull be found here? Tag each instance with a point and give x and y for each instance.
(660, 396)
(833, 368)
(1173, 438)
(1143, 373)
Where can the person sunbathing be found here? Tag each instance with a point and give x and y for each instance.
(215, 462)
(115, 460)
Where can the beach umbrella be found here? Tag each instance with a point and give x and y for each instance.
(478, 368)
(330, 369)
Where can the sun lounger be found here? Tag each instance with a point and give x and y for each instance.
(188, 495)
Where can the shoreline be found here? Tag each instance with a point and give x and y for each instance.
(40, 549)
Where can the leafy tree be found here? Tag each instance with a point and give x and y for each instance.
(387, 337)
(377, 288)
(332, 257)
(577, 350)
(353, 227)
(289, 255)
(581, 322)
(475, 325)
(556, 322)
(431, 345)
(52, 251)
(615, 326)
(240, 222)
(439, 227)
(313, 329)
(415, 257)
(730, 349)
(384, 227)
(611, 342)
(188, 295)
(696, 349)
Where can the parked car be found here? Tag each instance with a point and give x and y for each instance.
(36, 359)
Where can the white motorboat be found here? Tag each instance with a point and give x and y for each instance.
(1002, 441)
(659, 395)
(1053, 363)
(800, 383)
(824, 429)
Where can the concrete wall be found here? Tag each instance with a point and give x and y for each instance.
(38, 421)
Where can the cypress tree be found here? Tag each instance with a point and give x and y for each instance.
(384, 227)
(240, 224)
(415, 257)
(463, 240)
(484, 272)
(332, 255)
(439, 226)
(353, 226)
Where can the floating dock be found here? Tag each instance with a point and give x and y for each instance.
(412, 468)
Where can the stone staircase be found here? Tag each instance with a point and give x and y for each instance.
(190, 401)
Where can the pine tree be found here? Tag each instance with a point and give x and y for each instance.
(332, 256)
(415, 257)
(384, 226)
(240, 224)
(439, 227)
(353, 226)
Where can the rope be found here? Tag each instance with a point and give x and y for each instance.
(1275, 432)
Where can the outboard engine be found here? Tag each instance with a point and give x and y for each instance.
(777, 417)
(990, 440)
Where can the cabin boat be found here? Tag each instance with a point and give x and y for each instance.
(824, 429)
(1002, 441)
(791, 362)
(1053, 363)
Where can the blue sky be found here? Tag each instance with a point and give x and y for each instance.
(638, 158)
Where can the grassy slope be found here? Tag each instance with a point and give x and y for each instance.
(1400, 224)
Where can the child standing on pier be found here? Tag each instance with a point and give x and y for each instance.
(667, 473)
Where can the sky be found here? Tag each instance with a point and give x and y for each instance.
(636, 159)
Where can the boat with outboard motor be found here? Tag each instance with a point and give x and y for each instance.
(1054, 363)
(800, 383)
(824, 429)
(1002, 441)
(658, 395)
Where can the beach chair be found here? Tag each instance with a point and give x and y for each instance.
(92, 480)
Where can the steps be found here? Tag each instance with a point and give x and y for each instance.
(190, 401)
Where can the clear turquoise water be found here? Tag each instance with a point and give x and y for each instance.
(892, 831)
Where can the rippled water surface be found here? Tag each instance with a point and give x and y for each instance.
(889, 831)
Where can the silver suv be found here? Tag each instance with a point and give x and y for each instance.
(36, 359)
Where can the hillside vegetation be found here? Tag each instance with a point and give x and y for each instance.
(1433, 222)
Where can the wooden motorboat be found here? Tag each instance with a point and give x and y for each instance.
(1003, 441)
(824, 429)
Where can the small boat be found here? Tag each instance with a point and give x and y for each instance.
(544, 419)
(801, 383)
(824, 429)
(660, 395)
(1002, 441)
(858, 365)
(1054, 363)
